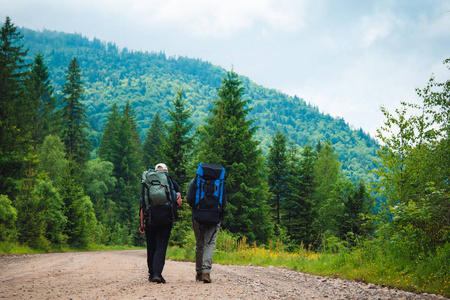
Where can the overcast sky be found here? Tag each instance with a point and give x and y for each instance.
(348, 57)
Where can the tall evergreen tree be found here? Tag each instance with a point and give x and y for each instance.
(178, 145)
(41, 92)
(120, 145)
(15, 124)
(153, 142)
(278, 171)
(228, 140)
(301, 185)
(73, 115)
(30, 218)
(109, 142)
(350, 222)
(78, 210)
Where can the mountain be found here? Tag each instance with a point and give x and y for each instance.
(149, 81)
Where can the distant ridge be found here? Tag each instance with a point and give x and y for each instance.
(149, 81)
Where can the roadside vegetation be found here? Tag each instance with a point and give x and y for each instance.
(65, 187)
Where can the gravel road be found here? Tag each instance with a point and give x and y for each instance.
(123, 275)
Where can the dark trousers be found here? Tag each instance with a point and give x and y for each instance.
(157, 241)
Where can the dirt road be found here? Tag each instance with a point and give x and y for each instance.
(123, 275)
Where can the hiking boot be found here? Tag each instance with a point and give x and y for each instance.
(158, 279)
(206, 278)
(198, 277)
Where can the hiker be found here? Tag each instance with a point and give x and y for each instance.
(160, 196)
(207, 198)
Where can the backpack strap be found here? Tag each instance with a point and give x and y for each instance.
(172, 197)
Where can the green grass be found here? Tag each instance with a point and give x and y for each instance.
(15, 248)
(359, 264)
(364, 264)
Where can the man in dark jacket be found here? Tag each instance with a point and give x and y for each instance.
(157, 237)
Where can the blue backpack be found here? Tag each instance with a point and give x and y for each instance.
(209, 194)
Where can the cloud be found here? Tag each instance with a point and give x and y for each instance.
(217, 19)
(377, 27)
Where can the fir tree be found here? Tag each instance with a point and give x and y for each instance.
(110, 137)
(153, 142)
(302, 187)
(350, 222)
(278, 171)
(15, 123)
(78, 210)
(177, 146)
(73, 116)
(41, 92)
(228, 140)
(120, 145)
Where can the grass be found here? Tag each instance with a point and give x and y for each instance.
(15, 248)
(359, 265)
(364, 264)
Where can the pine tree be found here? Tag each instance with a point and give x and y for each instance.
(227, 139)
(153, 142)
(78, 210)
(110, 137)
(177, 145)
(301, 188)
(30, 215)
(278, 171)
(73, 116)
(15, 124)
(350, 223)
(120, 145)
(41, 92)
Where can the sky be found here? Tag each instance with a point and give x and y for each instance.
(347, 57)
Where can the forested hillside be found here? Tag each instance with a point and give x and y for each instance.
(149, 82)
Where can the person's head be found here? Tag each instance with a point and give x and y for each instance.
(161, 167)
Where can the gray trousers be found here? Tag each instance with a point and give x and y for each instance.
(205, 236)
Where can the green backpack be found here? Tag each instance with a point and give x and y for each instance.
(158, 198)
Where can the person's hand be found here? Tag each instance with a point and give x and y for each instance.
(179, 199)
(142, 229)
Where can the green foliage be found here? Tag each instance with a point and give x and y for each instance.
(356, 208)
(152, 148)
(228, 140)
(177, 145)
(277, 162)
(98, 183)
(182, 228)
(327, 176)
(73, 115)
(53, 216)
(120, 235)
(413, 223)
(40, 89)
(31, 226)
(15, 110)
(8, 217)
(79, 211)
(52, 160)
(121, 146)
(301, 185)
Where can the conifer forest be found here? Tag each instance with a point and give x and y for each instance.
(80, 120)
